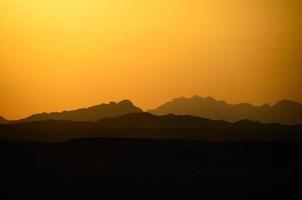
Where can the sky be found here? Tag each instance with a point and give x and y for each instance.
(64, 54)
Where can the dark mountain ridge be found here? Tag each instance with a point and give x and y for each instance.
(283, 112)
(146, 125)
(147, 120)
(3, 120)
(93, 113)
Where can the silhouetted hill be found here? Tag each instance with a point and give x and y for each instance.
(284, 112)
(149, 121)
(3, 120)
(146, 125)
(93, 113)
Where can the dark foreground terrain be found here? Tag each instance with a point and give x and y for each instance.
(98, 168)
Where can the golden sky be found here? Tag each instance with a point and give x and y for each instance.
(66, 54)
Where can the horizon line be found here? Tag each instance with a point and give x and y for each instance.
(149, 109)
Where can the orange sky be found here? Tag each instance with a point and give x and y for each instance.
(66, 54)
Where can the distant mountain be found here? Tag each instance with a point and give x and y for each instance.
(3, 120)
(146, 125)
(93, 113)
(149, 121)
(284, 112)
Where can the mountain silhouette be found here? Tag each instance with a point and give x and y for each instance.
(3, 120)
(146, 125)
(284, 112)
(146, 120)
(93, 113)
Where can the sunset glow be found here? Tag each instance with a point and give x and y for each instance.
(66, 54)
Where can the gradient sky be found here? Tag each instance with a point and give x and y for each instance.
(66, 54)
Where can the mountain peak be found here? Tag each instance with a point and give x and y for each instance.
(286, 102)
(3, 120)
(126, 102)
(93, 113)
(196, 97)
(284, 112)
(210, 99)
(179, 99)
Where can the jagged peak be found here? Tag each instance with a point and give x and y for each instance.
(2, 118)
(181, 98)
(126, 102)
(210, 99)
(112, 103)
(286, 102)
(196, 97)
(92, 113)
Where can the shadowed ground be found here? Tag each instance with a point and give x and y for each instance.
(147, 169)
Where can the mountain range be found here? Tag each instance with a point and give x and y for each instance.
(93, 113)
(283, 112)
(146, 125)
(141, 153)
(93, 152)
